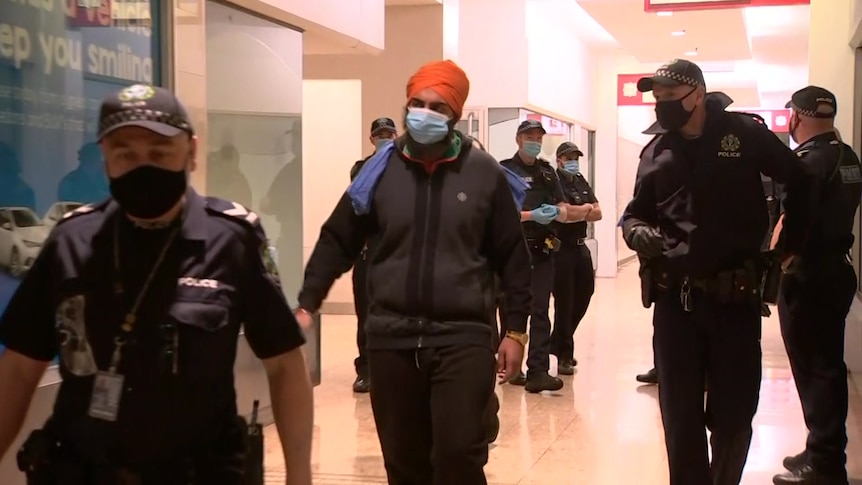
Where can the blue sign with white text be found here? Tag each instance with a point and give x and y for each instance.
(58, 60)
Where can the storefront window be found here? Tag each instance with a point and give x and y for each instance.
(58, 60)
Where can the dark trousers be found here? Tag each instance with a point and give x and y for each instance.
(430, 406)
(719, 343)
(812, 312)
(538, 360)
(574, 284)
(360, 305)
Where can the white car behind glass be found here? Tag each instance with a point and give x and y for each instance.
(22, 234)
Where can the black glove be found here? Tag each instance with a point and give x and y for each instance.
(645, 240)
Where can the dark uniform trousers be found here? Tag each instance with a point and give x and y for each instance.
(574, 284)
(719, 343)
(540, 322)
(360, 306)
(430, 405)
(812, 309)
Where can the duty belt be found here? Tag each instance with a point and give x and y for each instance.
(731, 286)
(547, 245)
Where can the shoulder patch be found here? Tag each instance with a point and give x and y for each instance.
(756, 117)
(232, 210)
(84, 209)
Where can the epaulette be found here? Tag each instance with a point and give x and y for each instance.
(84, 209)
(232, 210)
(756, 117)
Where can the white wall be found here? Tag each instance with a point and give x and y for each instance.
(414, 36)
(331, 145)
(492, 50)
(352, 22)
(560, 68)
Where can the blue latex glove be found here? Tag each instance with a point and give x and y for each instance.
(544, 214)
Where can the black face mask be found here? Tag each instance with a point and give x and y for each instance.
(148, 192)
(791, 130)
(672, 115)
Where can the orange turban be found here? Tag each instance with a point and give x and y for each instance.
(444, 78)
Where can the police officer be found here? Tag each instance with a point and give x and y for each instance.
(142, 296)
(814, 300)
(700, 213)
(382, 131)
(544, 204)
(574, 280)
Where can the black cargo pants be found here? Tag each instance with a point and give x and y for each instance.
(719, 343)
(430, 408)
(574, 285)
(812, 311)
(538, 359)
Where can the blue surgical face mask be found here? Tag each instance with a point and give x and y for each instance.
(381, 142)
(571, 166)
(532, 148)
(425, 126)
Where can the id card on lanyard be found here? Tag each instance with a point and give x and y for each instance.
(107, 391)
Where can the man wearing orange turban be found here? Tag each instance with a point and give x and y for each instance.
(444, 224)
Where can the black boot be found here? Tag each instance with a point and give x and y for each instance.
(795, 462)
(808, 476)
(362, 384)
(542, 381)
(651, 377)
(566, 367)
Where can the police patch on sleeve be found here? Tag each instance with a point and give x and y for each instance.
(270, 262)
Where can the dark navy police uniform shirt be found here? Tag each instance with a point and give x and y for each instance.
(577, 192)
(840, 176)
(706, 195)
(217, 276)
(544, 189)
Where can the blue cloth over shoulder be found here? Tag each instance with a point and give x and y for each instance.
(518, 185)
(361, 190)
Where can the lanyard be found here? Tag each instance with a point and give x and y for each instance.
(129, 321)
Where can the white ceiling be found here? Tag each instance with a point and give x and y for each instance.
(758, 56)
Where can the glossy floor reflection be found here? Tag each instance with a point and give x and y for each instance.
(601, 429)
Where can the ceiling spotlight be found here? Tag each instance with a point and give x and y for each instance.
(678, 33)
(691, 53)
(664, 14)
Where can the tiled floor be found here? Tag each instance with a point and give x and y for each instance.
(601, 429)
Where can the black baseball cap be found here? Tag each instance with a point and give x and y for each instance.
(528, 125)
(568, 148)
(674, 73)
(145, 106)
(382, 124)
(815, 102)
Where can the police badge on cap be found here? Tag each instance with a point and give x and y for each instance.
(144, 106)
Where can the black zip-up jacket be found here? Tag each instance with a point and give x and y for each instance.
(439, 240)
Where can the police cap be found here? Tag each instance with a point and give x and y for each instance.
(675, 73)
(569, 148)
(814, 102)
(145, 106)
(380, 125)
(528, 125)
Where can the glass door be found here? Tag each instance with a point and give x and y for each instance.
(473, 124)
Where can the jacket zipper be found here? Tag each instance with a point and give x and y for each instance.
(422, 255)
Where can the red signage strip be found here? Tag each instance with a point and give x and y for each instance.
(682, 5)
(627, 91)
